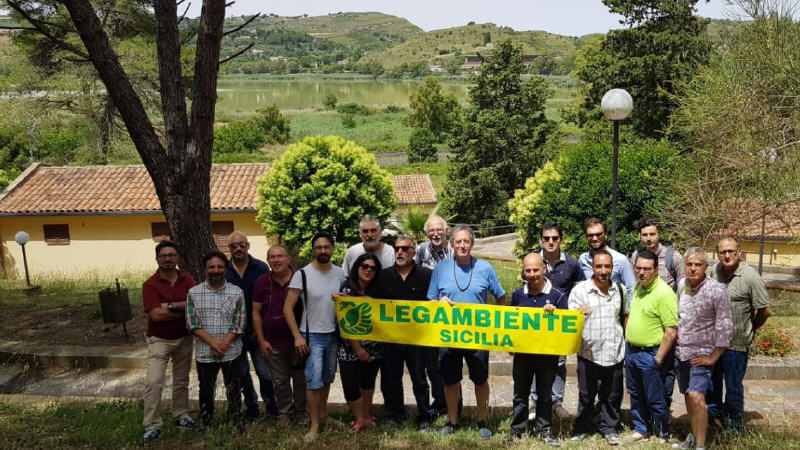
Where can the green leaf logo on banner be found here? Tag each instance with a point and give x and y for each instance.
(357, 319)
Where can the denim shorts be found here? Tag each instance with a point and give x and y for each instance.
(451, 362)
(321, 363)
(693, 378)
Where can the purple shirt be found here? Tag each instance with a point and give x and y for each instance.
(704, 318)
(272, 296)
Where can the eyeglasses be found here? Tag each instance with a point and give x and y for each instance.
(594, 235)
(402, 248)
(168, 255)
(237, 244)
(369, 230)
(551, 238)
(365, 266)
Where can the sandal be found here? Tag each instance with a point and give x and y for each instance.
(357, 427)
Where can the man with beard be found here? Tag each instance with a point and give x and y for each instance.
(243, 270)
(406, 281)
(316, 335)
(602, 353)
(750, 308)
(275, 338)
(215, 314)
(564, 272)
(538, 292)
(650, 332)
(465, 279)
(164, 299)
(595, 230)
(369, 230)
(437, 249)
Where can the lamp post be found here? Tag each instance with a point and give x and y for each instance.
(617, 105)
(23, 238)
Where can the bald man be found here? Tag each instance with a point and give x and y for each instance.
(243, 270)
(537, 292)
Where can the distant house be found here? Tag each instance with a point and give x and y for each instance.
(475, 61)
(436, 69)
(781, 231)
(107, 218)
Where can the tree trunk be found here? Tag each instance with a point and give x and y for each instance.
(181, 172)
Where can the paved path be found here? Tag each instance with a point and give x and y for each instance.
(767, 402)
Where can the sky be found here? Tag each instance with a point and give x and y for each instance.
(568, 17)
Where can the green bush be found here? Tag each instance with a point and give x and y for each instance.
(7, 176)
(577, 185)
(322, 183)
(240, 136)
(393, 109)
(273, 124)
(330, 101)
(353, 108)
(348, 121)
(420, 146)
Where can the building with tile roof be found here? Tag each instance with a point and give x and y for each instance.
(108, 218)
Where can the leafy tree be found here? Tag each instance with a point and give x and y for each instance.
(453, 65)
(421, 146)
(178, 158)
(372, 67)
(322, 183)
(275, 126)
(664, 44)
(434, 111)
(739, 120)
(248, 136)
(502, 141)
(7, 176)
(577, 185)
(330, 101)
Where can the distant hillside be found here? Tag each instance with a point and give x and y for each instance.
(312, 42)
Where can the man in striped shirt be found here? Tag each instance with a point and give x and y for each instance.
(602, 351)
(215, 314)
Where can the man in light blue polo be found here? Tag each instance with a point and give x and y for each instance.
(595, 230)
(465, 279)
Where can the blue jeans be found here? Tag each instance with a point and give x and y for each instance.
(731, 367)
(559, 383)
(321, 363)
(264, 380)
(645, 382)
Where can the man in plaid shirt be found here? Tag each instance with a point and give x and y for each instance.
(215, 314)
(602, 349)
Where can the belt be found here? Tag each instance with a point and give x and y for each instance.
(636, 348)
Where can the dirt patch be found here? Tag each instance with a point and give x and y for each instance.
(73, 325)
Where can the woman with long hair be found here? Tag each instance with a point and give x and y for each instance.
(359, 361)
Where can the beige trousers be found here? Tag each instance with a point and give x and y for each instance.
(159, 352)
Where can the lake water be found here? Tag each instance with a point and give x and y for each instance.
(249, 95)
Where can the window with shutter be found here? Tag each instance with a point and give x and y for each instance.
(56, 234)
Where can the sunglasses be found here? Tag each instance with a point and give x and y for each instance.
(402, 248)
(237, 244)
(551, 238)
(366, 266)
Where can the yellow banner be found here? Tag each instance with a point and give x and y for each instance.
(463, 325)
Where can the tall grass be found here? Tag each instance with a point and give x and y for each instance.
(380, 132)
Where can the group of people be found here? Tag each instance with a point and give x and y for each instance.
(649, 319)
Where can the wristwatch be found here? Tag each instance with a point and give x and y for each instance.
(171, 307)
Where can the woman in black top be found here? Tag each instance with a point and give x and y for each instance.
(359, 361)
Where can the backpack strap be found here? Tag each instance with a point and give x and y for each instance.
(305, 301)
(669, 262)
(623, 302)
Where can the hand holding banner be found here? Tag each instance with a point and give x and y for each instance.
(463, 325)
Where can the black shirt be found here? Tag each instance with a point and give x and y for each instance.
(391, 285)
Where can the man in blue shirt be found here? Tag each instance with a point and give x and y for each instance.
(464, 279)
(595, 230)
(564, 272)
(538, 292)
(243, 270)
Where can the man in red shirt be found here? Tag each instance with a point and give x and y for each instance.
(164, 299)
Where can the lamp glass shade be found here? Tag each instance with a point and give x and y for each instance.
(22, 237)
(617, 104)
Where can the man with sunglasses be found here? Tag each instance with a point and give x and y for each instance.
(406, 280)
(750, 309)
(595, 230)
(564, 272)
(369, 230)
(243, 270)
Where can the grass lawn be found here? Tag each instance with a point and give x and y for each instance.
(117, 424)
(379, 132)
